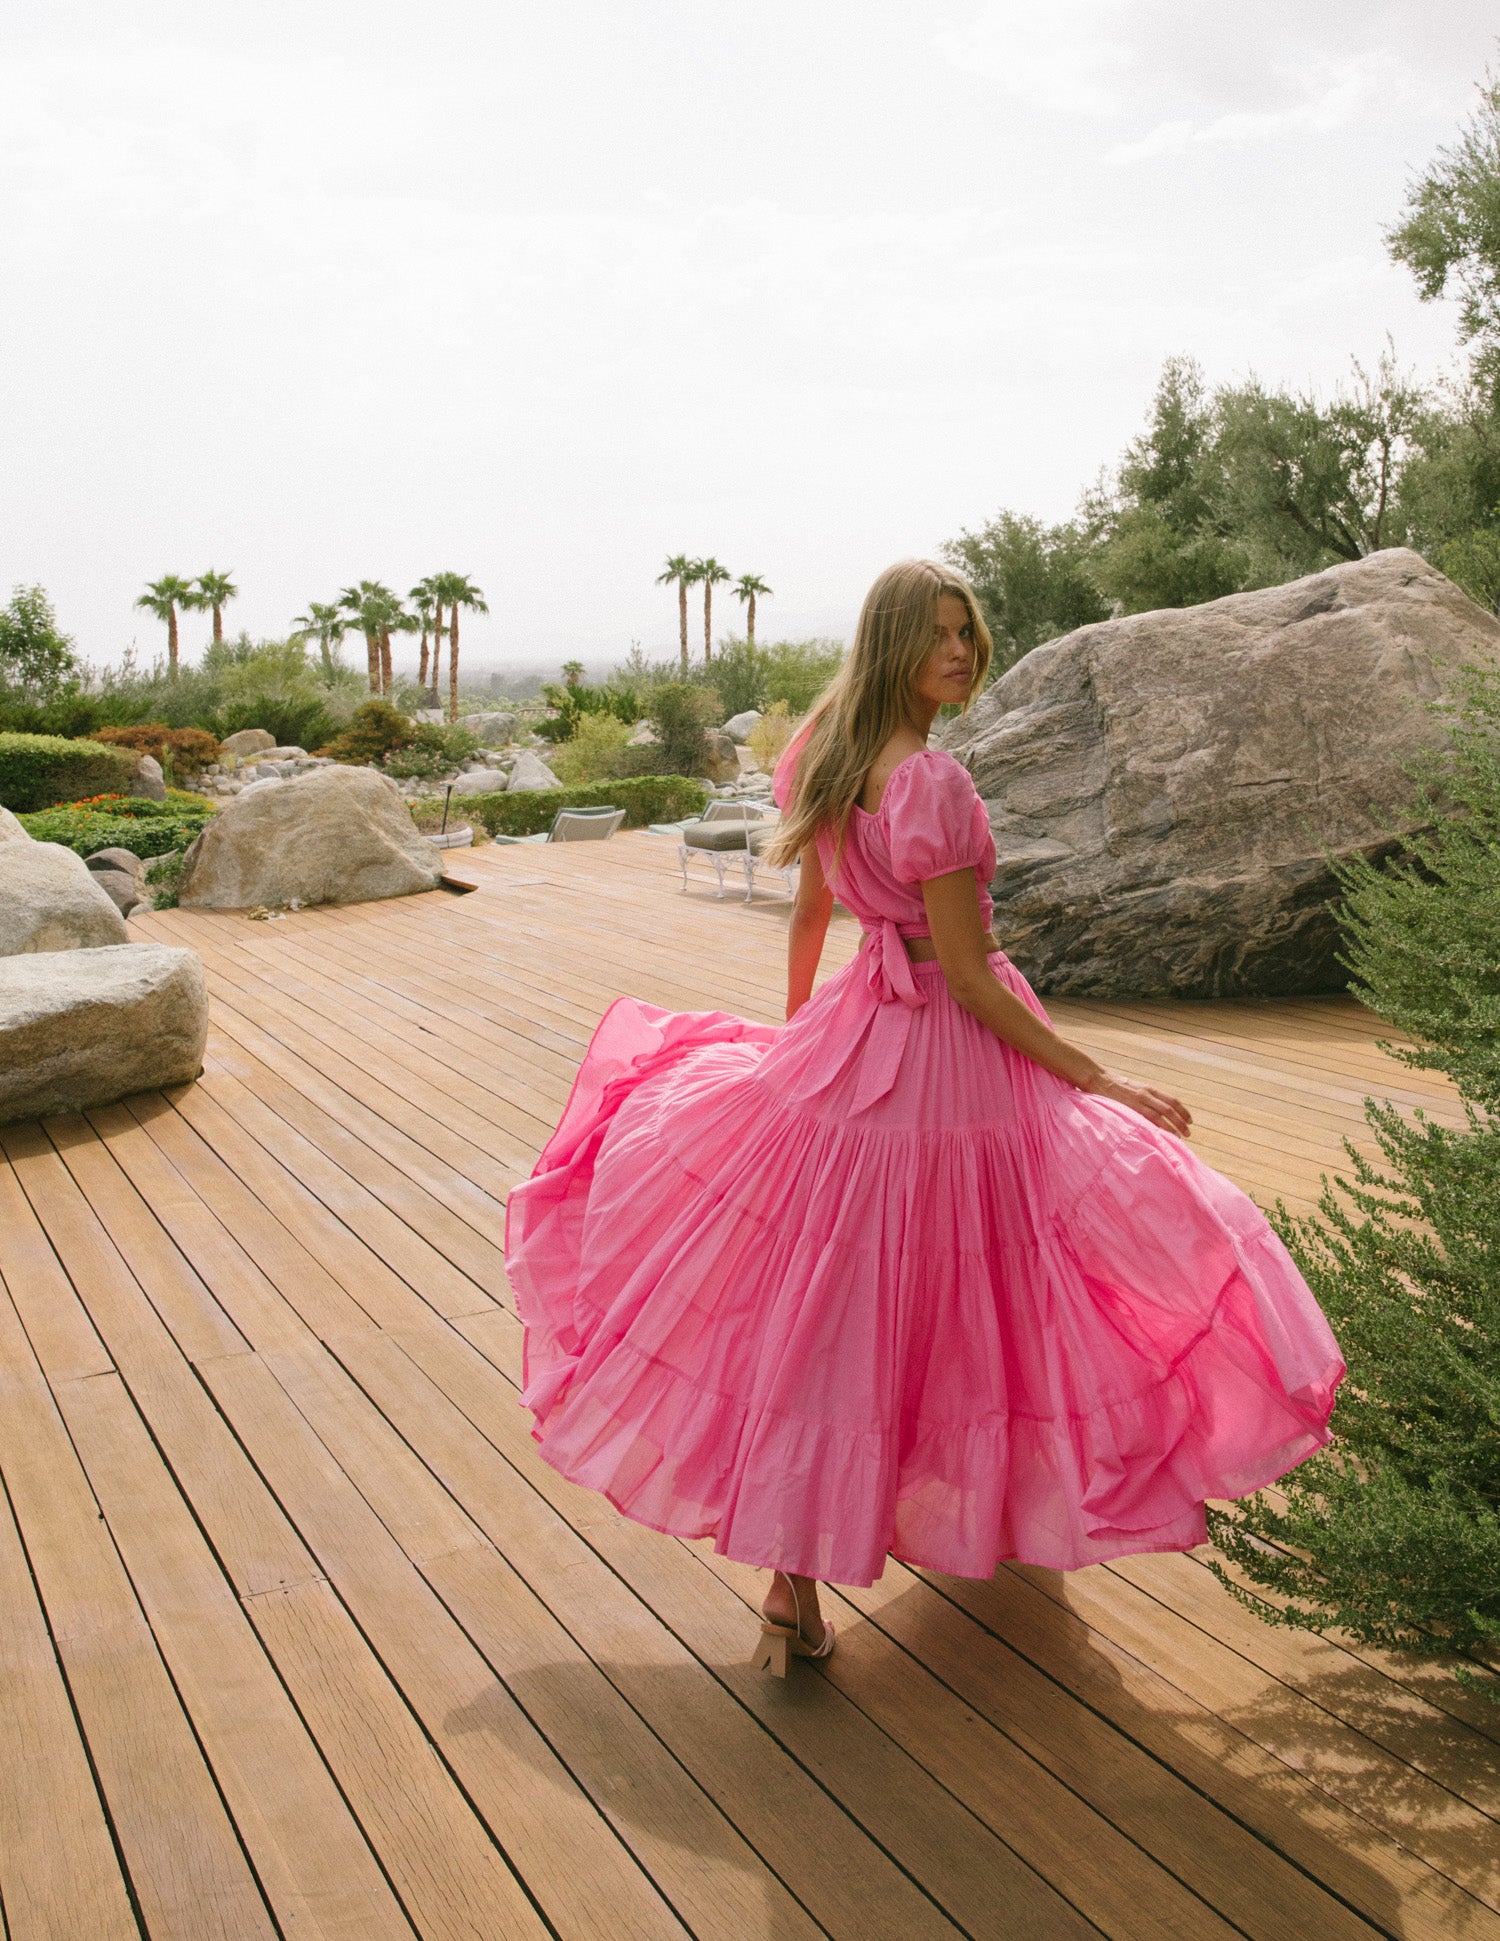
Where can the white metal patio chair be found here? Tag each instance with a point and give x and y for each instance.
(576, 825)
(728, 834)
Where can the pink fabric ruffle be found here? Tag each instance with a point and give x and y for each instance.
(985, 1316)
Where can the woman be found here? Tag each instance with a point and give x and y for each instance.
(911, 1275)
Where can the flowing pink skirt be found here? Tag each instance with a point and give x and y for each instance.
(987, 1317)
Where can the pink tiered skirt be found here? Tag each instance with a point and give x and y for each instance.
(987, 1317)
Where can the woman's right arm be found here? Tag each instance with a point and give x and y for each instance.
(809, 926)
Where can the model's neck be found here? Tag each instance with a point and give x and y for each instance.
(922, 714)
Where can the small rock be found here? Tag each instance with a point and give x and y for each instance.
(50, 901)
(90, 1026)
(643, 736)
(149, 781)
(531, 772)
(123, 890)
(723, 759)
(493, 730)
(738, 726)
(480, 781)
(283, 755)
(246, 742)
(122, 859)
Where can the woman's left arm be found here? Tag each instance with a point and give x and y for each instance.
(963, 946)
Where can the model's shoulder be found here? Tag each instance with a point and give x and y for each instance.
(933, 772)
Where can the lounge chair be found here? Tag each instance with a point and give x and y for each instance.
(730, 834)
(576, 825)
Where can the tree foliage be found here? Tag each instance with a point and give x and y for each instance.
(38, 663)
(1393, 1532)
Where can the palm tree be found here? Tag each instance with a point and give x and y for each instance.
(750, 586)
(329, 624)
(163, 597)
(680, 573)
(376, 610)
(572, 672)
(711, 573)
(215, 590)
(430, 614)
(455, 591)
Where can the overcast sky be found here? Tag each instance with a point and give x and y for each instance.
(542, 291)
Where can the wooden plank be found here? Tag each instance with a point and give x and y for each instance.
(844, 1880)
(186, 1868)
(311, 1858)
(570, 1860)
(53, 1889)
(979, 1882)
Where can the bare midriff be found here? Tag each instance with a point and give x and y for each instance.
(922, 950)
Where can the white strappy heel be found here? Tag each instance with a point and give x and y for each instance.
(780, 1643)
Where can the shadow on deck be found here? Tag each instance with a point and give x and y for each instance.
(300, 1638)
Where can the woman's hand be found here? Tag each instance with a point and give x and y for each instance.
(1159, 1107)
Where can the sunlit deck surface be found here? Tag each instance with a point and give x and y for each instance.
(300, 1638)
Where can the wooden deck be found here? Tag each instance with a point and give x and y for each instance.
(299, 1637)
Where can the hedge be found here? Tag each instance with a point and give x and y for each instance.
(526, 812)
(38, 770)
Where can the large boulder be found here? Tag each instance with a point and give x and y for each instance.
(494, 729)
(721, 758)
(335, 835)
(10, 829)
(1166, 790)
(531, 772)
(50, 901)
(738, 726)
(245, 744)
(91, 1026)
(481, 781)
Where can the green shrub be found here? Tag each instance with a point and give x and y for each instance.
(375, 729)
(432, 750)
(38, 770)
(1392, 1533)
(644, 798)
(86, 829)
(797, 671)
(570, 705)
(599, 752)
(681, 714)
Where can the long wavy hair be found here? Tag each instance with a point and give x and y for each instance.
(870, 697)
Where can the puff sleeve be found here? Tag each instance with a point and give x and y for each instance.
(935, 821)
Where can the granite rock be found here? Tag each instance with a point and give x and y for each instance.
(51, 901)
(1166, 789)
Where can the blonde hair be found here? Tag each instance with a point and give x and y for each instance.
(870, 698)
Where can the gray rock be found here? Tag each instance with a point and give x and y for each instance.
(494, 730)
(643, 736)
(246, 743)
(283, 755)
(531, 772)
(1165, 789)
(149, 780)
(123, 890)
(335, 835)
(92, 1026)
(51, 901)
(125, 859)
(722, 758)
(480, 781)
(10, 829)
(738, 726)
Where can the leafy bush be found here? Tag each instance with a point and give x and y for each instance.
(38, 770)
(737, 673)
(432, 750)
(769, 738)
(681, 714)
(36, 658)
(598, 751)
(276, 687)
(644, 798)
(1392, 1533)
(164, 874)
(375, 730)
(84, 828)
(188, 748)
(571, 705)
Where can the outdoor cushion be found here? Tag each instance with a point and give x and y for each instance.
(719, 835)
